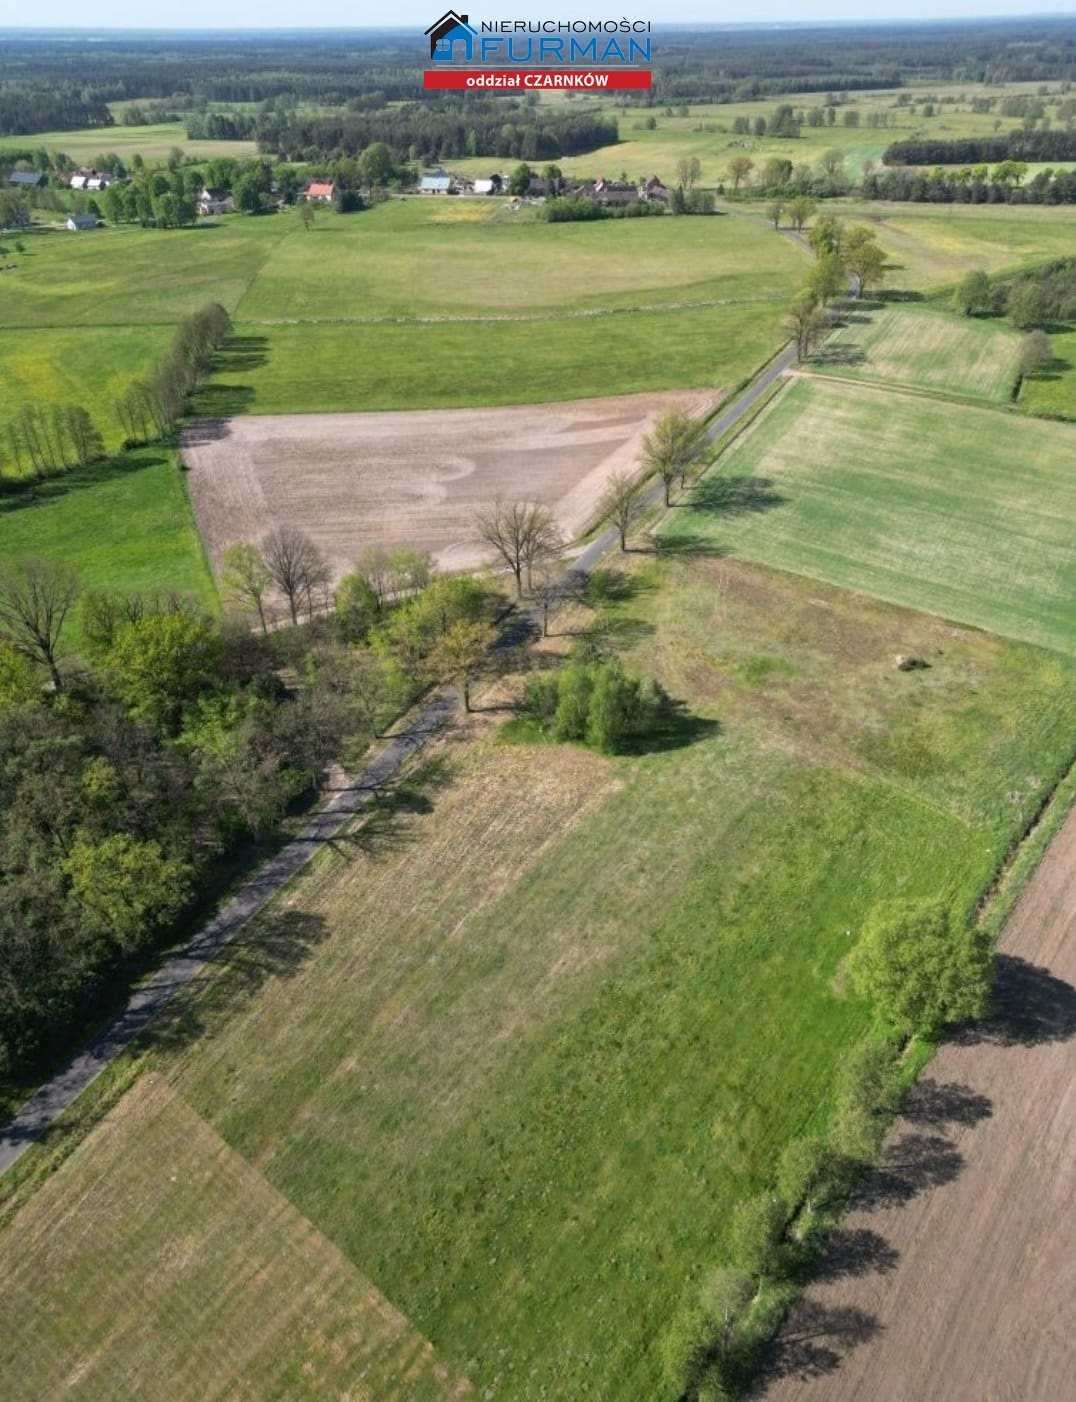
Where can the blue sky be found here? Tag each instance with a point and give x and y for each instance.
(189, 14)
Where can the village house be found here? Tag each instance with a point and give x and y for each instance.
(435, 182)
(607, 192)
(489, 185)
(320, 190)
(653, 189)
(30, 179)
(77, 222)
(91, 179)
(215, 200)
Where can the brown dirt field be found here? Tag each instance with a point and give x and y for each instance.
(415, 479)
(954, 1278)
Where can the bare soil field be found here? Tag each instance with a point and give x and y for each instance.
(418, 478)
(955, 1276)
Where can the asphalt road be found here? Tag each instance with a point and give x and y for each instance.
(43, 1108)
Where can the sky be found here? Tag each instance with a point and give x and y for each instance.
(266, 14)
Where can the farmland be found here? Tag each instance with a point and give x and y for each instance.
(352, 480)
(959, 510)
(902, 346)
(1053, 391)
(571, 983)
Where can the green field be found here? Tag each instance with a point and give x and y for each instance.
(125, 524)
(518, 1052)
(1053, 391)
(962, 511)
(904, 346)
(153, 142)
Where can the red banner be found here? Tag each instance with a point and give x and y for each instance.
(535, 79)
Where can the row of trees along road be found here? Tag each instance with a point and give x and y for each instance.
(133, 777)
(846, 258)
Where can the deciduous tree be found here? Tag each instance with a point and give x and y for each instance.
(621, 502)
(245, 578)
(36, 597)
(297, 567)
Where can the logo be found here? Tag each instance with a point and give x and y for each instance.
(567, 53)
(451, 29)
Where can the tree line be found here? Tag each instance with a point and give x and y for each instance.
(1057, 144)
(150, 408)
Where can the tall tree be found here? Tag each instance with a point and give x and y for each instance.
(296, 565)
(519, 532)
(460, 651)
(621, 502)
(740, 167)
(36, 596)
(671, 446)
(245, 578)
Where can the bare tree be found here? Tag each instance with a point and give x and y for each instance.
(520, 532)
(245, 577)
(688, 171)
(36, 596)
(296, 565)
(622, 502)
(546, 589)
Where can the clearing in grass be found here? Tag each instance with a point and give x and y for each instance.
(922, 349)
(963, 511)
(519, 1048)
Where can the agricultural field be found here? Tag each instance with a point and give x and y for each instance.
(902, 346)
(153, 142)
(932, 246)
(963, 511)
(706, 133)
(351, 480)
(570, 985)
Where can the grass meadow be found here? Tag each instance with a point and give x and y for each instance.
(126, 523)
(904, 346)
(154, 142)
(518, 1049)
(963, 511)
(1053, 391)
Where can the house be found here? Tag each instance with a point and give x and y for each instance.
(607, 192)
(321, 190)
(91, 179)
(451, 29)
(653, 189)
(435, 182)
(76, 222)
(28, 178)
(489, 185)
(215, 200)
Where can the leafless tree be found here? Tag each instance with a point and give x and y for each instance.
(297, 566)
(520, 532)
(36, 596)
(622, 502)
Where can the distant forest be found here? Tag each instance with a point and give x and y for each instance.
(315, 96)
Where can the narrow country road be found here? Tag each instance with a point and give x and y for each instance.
(43, 1108)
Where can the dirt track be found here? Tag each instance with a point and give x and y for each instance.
(351, 480)
(954, 1279)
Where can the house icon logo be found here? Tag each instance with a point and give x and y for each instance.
(451, 29)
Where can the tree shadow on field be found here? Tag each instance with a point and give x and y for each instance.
(686, 545)
(21, 494)
(717, 495)
(937, 1105)
(1054, 369)
(674, 728)
(1029, 1006)
(856, 1251)
(215, 402)
(896, 294)
(814, 1341)
(839, 353)
(909, 1166)
(383, 825)
(241, 353)
(275, 944)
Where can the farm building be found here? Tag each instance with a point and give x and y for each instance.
(435, 182)
(653, 189)
(321, 190)
(30, 178)
(489, 185)
(215, 200)
(91, 180)
(77, 222)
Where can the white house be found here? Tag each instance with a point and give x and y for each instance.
(215, 200)
(489, 185)
(435, 182)
(75, 222)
